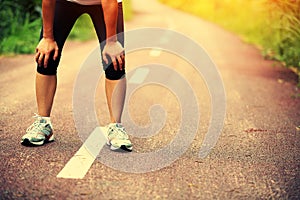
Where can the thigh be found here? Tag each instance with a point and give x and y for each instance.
(96, 14)
(66, 13)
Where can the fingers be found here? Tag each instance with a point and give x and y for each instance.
(42, 59)
(39, 57)
(46, 60)
(120, 61)
(45, 51)
(104, 57)
(55, 53)
(114, 52)
(114, 61)
(117, 61)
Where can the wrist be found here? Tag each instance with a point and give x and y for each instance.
(49, 39)
(112, 39)
(48, 34)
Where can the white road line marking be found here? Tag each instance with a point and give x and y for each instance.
(80, 163)
(139, 76)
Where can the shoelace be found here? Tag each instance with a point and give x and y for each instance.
(118, 132)
(36, 126)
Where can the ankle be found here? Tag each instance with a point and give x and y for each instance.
(47, 119)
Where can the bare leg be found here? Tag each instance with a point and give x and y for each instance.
(115, 95)
(45, 90)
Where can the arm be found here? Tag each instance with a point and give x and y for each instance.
(47, 43)
(110, 11)
(113, 48)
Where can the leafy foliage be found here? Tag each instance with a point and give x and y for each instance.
(273, 25)
(285, 23)
(19, 25)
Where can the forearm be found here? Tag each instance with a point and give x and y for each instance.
(48, 8)
(110, 10)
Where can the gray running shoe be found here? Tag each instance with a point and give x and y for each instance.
(117, 137)
(38, 133)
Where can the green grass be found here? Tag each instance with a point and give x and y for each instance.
(83, 29)
(271, 25)
(22, 39)
(19, 30)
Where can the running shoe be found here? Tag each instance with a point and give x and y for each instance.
(117, 137)
(39, 133)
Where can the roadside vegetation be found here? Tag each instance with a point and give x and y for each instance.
(21, 23)
(271, 25)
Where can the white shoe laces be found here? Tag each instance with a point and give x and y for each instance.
(36, 126)
(118, 132)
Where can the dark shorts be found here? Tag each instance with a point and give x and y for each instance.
(66, 14)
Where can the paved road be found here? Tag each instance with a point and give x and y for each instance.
(256, 156)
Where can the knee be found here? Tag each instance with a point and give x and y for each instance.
(112, 74)
(51, 68)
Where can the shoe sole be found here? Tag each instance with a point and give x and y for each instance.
(114, 148)
(27, 142)
(122, 147)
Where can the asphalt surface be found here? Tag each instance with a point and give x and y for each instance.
(256, 156)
